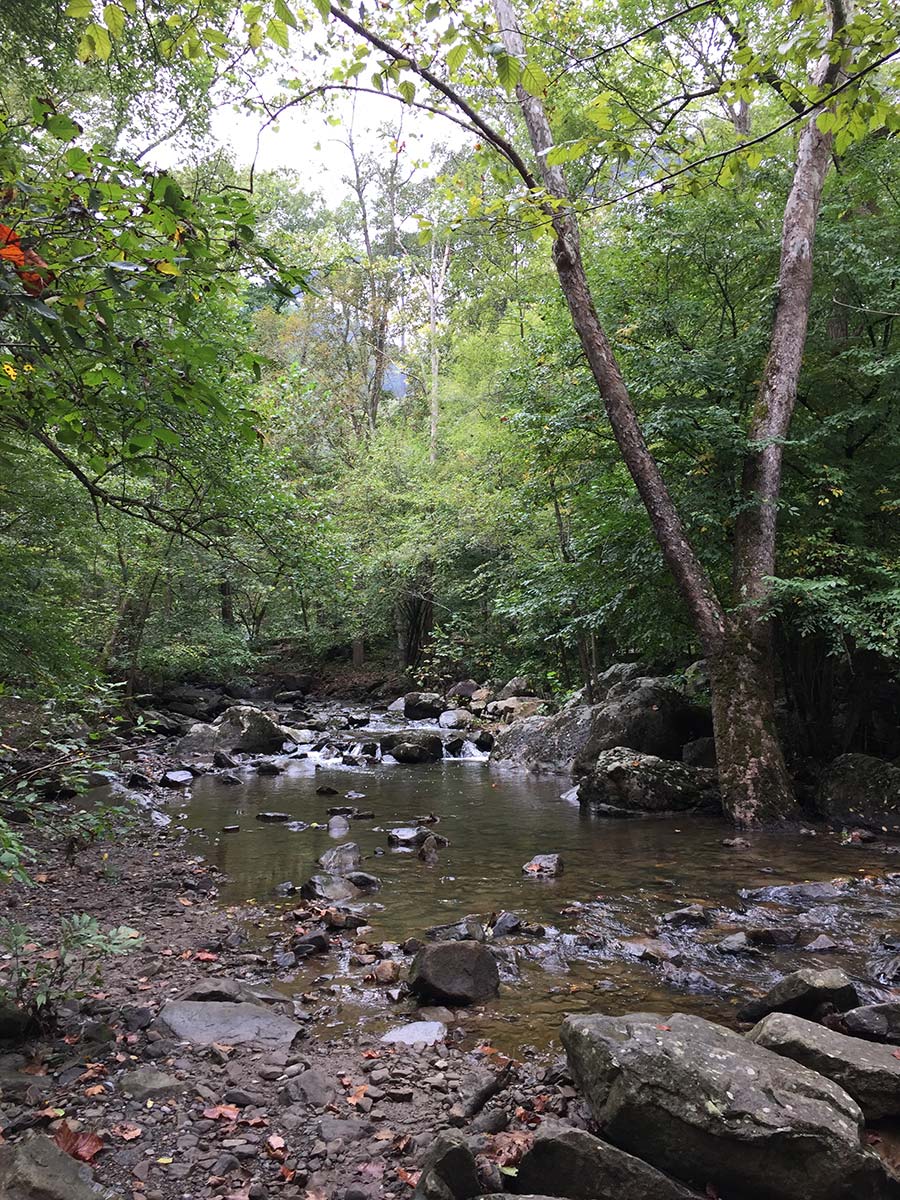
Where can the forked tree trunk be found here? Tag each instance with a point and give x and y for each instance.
(736, 639)
(753, 776)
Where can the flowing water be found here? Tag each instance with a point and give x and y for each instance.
(620, 878)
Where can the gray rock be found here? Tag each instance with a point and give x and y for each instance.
(314, 1087)
(146, 1083)
(176, 779)
(645, 714)
(804, 993)
(421, 706)
(329, 887)
(573, 1164)
(363, 881)
(876, 1022)
(273, 818)
(547, 865)
(701, 752)
(454, 973)
(203, 1023)
(424, 1032)
(714, 1110)
(235, 990)
(867, 1072)
(412, 835)
(465, 689)
(448, 1169)
(458, 718)
(857, 789)
(338, 860)
(428, 746)
(38, 1170)
(623, 780)
(795, 894)
(519, 685)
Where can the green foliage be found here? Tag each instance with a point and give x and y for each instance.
(39, 978)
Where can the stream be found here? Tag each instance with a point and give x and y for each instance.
(621, 877)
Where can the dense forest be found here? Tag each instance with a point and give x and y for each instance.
(478, 353)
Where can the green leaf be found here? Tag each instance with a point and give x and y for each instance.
(508, 71)
(324, 7)
(77, 160)
(566, 152)
(534, 79)
(80, 9)
(114, 18)
(455, 56)
(255, 36)
(98, 36)
(63, 128)
(407, 90)
(278, 33)
(283, 12)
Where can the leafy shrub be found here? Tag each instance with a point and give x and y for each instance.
(37, 978)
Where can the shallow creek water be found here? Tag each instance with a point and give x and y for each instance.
(620, 878)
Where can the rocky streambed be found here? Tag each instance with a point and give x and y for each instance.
(347, 953)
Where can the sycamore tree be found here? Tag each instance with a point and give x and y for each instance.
(578, 112)
(686, 102)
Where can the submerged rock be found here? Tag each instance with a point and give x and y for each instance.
(329, 887)
(716, 1111)
(804, 993)
(338, 860)
(454, 973)
(546, 865)
(867, 1072)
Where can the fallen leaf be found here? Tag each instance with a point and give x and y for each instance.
(276, 1147)
(126, 1131)
(83, 1146)
(222, 1112)
(187, 903)
(287, 1174)
(206, 956)
(410, 1177)
(97, 1090)
(357, 1094)
(371, 1054)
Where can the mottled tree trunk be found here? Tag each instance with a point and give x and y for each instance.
(753, 776)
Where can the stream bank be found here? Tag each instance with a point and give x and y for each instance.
(645, 915)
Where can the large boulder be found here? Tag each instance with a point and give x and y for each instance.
(720, 1113)
(449, 1171)
(578, 1166)
(429, 746)
(857, 789)
(38, 1170)
(644, 714)
(868, 1073)
(338, 860)
(875, 1022)
(519, 685)
(241, 728)
(514, 708)
(625, 781)
(454, 973)
(458, 718)
(422, 706)
(804, 993)
(204, 1022)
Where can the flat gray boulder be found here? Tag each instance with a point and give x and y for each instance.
(804, 993)
(718, 1112)
(145, 1083)
(578, 1166)
(204, 1022)
(868, 1073)
(37, 1169)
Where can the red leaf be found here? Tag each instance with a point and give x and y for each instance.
(410, 1177)
(222, 1112)
(83, 1146)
